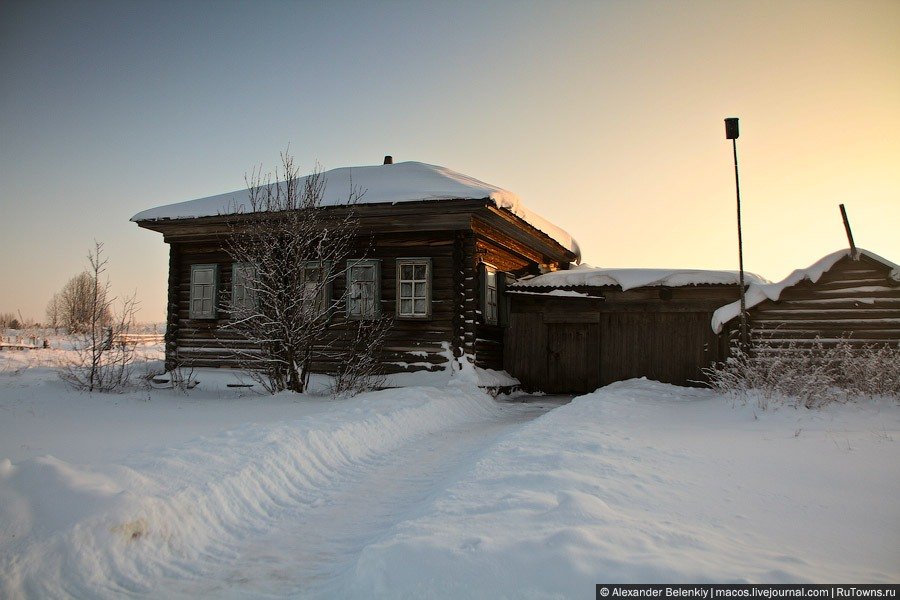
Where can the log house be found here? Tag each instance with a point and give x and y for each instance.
(472, 238)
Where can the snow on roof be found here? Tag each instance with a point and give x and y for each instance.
(400, 182)
(586, 275)
(759, 292)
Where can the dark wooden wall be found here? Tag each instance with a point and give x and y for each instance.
(672, 347)
(574, 345)
(855, 299)
(412, 345)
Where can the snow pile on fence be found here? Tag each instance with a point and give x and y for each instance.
(108, 531)
(646, 482)
(400, 182)
(586, 275)
(760, 291)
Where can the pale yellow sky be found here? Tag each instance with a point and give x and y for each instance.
(817, 89)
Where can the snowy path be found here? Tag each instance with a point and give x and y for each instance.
(432, 492)
(313, 544)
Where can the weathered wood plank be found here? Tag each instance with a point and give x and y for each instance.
(525, 349)
(573, 357)
(571, 317)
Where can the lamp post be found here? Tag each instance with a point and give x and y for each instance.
(732, 133)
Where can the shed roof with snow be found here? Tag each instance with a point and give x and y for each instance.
(587, 276)
(873, 281)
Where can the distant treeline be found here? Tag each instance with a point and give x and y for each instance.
(10, 320)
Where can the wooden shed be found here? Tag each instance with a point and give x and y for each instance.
(574, 331)
(845, 295)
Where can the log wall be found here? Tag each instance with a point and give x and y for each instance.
(412, 345)
(855, 300)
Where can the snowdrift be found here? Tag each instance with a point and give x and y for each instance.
(646, 482)
(82, 531)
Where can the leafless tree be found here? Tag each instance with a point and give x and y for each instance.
(74, 303)
(288, 253)
(53, 313)
(102, 357)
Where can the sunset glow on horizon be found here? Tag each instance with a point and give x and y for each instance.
(606, 118)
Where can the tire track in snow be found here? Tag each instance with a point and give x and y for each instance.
(309, 550)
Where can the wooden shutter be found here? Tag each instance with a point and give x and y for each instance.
(368, 288)
(241, 297)
(322, 283)
(488, 316)
(204, 282)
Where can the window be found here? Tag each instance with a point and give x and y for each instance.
(203, 292)
(494, 301)
(414, 288)
(490, 295)
(363, 289)
(316, 282)
(242, 298)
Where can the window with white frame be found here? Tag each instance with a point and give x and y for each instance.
(203, 292)
(363, 289)
(316, 284)
(414, 288)
(243, 297)
(490, 295)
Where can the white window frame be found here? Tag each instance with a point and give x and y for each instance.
(373, 311)
(203, 291)
(241, 298)
(413, 297)
(490, 294)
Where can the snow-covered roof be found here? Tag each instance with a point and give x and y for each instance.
(400, 182)
(586, 275)
(759, 292)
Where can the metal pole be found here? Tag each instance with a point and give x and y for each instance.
(737, 185)
(732, 133)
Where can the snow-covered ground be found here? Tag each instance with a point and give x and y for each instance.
(431, 491)
(648, 482)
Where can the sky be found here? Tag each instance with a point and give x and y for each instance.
(605, 117)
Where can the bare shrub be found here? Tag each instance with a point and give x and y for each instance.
(180, 377)
(101, 359)
(359, 366)
(183, 378)
(810, 375)
(873, 370)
